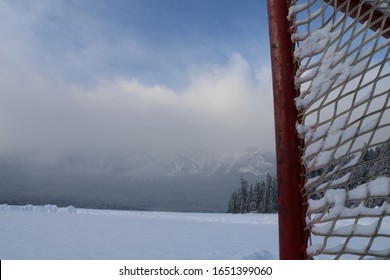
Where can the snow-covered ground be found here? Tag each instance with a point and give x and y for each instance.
(48, 232)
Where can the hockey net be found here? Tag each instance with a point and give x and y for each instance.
(343, 74)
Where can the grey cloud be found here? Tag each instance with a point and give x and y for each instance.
(224, 107)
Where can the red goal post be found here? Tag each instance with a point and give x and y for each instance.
(331, 83)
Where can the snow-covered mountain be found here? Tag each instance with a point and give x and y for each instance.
(252, 161)
(144, 180)
(146, 164)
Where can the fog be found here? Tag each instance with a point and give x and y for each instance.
(223, 107)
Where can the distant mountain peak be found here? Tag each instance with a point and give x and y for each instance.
(150, 164)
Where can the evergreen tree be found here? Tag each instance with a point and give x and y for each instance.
(243, 195)
(233, 204)
(258, 194)
(251, 204)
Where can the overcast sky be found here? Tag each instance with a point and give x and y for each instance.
(125, 74)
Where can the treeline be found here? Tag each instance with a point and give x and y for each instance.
(260, 198)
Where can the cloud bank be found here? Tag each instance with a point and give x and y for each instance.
(73, 81)
(227, 108)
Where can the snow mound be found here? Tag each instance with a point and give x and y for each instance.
(261, 255)
(50, 208)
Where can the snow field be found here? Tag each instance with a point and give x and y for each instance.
(49, 232)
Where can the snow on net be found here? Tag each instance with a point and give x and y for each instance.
(344, 79)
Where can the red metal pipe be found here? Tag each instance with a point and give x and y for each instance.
(364, 10)
(292, 234)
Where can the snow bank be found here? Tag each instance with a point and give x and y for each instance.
(41, 208)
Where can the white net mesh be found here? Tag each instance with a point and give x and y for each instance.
(343, 74)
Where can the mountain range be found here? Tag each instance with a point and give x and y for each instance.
(195, 181)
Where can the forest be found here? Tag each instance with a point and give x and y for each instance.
(262, 197)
